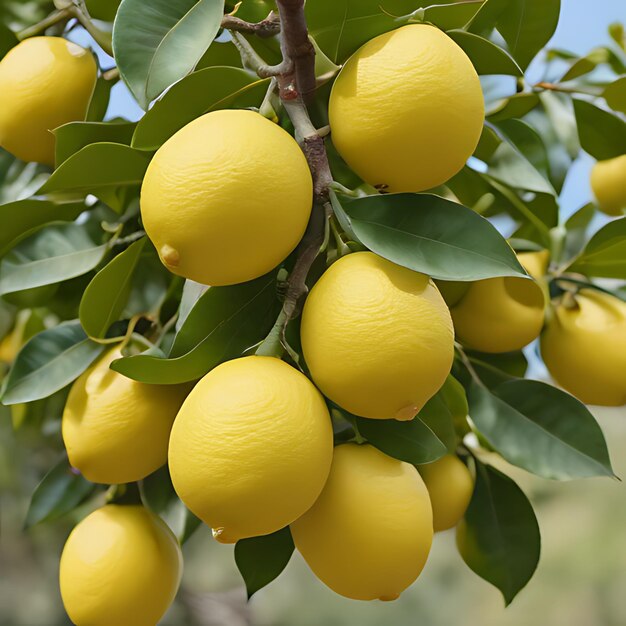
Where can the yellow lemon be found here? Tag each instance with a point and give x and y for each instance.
(121, 565)
(535, 263)
(45, 82)
(377, 337)
(116, 429)
(497, 314)
(608, 182)
(450, 485)
(227, 198)
(407, 110)
(369, 534)
(584, 347)
(251, 447)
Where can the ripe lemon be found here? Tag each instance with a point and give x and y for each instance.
(377, 337)
(116, 429)
(584, 347)
(450, 487)
(407, 110)
(227, 198)
(251, 447)
(535, 263)
(121, 565)
(497, 314)
(369, 534)
(608, 182)
(45, 82)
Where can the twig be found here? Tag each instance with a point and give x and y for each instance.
(269, 27)
(468, 364)
(51, 20)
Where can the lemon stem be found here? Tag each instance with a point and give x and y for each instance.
(40, 27)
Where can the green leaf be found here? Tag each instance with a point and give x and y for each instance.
(262, 559)
(526, 25)
(601, 134)
(192, 523)
(615, 94)
(74, 136)
(60, 491)
(410, 441)
(224, 322)
(157, 491)
(541, 429)
(207, 90)
(576, 229)
(20, 219)
(50, 256)
(98, 166)
(107, 293)
(8, 40)
(432, 235)
(437, 415)
(159, 42)
(220, 53)
(517, 106)
(605, 254)
(486, 56)
(99, 100)
(499, 537)
(586, 64)
(48, 362)
(451, 15)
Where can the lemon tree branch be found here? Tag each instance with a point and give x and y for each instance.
(268, 27)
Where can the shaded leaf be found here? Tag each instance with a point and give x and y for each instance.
(432, 235)
(605, 254)
(99, 100)
(615, 94)
(499, 537)
(157, 491)
(601, 134)
(262, 559)
(486, 56)
(517, 106)
(8, 39)
(48, 362)
(437, 415)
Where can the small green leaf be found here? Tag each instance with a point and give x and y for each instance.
(74, 136)
(586, 64)
(61, 490)
(224, 322)
(207, 90)
(432, 235)
(601, 134)
(499, 537)
(98, 166)
(615, 94)
(52, 255)
(157, 491)
(541, 429)
(411, 441)
(20, 219)
(437, 415)
(517, 106)
(451, 15)
(48, 362)
(107, 293)
(486, 56)
(159, 42)
(262, 559)
(605, 254)
(99, 100)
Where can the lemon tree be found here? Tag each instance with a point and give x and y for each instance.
(297, 299)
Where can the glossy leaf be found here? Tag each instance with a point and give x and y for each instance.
(499, 537)
(432, 235)
(523, 421)
(74, 136)
(615, 95)
(48, 362)
(436, 414)
(262, 559)
(61, 490)
(486, 56)
(99, 100)
(20, 219)
(50, 256)
(601, 134)
(605, 254)
(224, 322)
(107, 293)
(159, 42)
(95, 167)
(515, 106)
(207, 90)
(411, 441)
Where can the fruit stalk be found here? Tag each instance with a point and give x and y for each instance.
(268, 27)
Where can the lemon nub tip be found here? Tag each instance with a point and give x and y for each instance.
(170, 256)
(407, 413)
(390, 597)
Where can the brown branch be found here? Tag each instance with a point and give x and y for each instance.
(269, 27)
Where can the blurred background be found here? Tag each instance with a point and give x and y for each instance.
(581, 580)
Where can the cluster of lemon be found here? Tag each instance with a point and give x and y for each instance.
(250, 447)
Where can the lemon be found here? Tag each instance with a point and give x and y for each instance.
(227, 198)
(608, 182)
(450, 487)
(45, 82)
(377, 337)
(535, 263)
(497, 314)
(251, 447)
(102, 9)
(116, 429)
(584, 347)
(121, 565)
(369, 534)
(407, 110)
